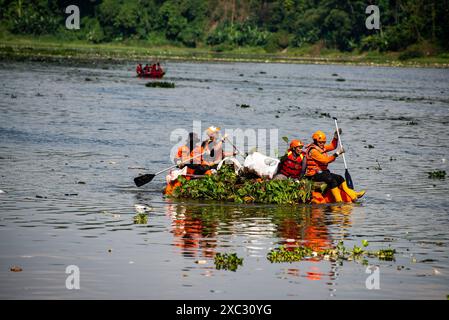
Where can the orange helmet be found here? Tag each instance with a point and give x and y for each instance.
(296, 143)
(319, 136)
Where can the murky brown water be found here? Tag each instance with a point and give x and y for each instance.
(57, 130)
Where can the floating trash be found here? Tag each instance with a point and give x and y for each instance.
(140, 208)
(16, 269)
(2, 192)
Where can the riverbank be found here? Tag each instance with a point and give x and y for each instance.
(50, 49)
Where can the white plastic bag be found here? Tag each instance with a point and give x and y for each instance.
(263, 166)
(174, 174)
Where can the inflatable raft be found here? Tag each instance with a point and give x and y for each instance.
(152, 74)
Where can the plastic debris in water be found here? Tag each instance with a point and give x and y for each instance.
(443, 160)
(16, 269)
(140, 208)
(1, 191)
(388, 196)
(201, 261)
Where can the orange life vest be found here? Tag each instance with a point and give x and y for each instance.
(291, 166)
(313, 166)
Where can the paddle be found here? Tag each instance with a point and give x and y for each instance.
(235, 148)
(347, 175)
(144, 179)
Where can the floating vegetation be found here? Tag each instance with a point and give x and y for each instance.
(140, 218)
(325, 115)
(160, 84)
(226, 185)
(227, 261)
(245, 106)
(412, 123)
(340, 252)
(370, 146)
(437, 174)
(340, 79)
(283, 254)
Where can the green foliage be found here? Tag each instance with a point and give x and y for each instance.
(140, 218)
(273, 25)
(340, 252)
(283, 254)
(437, 174)
(32, 17)
(227, 261)
(227, 186)
(160, 84)
(410, 54)
(240, 34)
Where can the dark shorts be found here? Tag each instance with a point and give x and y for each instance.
(331, 179)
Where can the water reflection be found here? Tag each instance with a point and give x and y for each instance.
(201, 230)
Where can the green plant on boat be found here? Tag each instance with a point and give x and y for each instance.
(140, 218)
(437, 174)
(160, 84)
(226, 185)
(227, 261)
(340, 252)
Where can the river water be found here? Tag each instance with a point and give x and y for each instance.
(73, 137)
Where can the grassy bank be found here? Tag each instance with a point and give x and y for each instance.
(52, 49)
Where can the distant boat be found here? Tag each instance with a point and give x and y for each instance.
(152, 74)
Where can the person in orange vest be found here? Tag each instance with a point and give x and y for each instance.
(184, 152)
(212, 149)
(139, 69)
(293, 164)
(317, 162)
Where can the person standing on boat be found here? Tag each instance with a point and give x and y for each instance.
(293, 164)
(317, 162)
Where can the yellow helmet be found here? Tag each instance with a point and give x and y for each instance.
(319, 136)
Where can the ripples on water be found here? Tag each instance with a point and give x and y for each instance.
(69, 148)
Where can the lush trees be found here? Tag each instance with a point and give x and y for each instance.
(273, 24)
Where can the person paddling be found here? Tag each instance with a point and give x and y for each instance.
(318, 160)
(294, 163)
(186, 152)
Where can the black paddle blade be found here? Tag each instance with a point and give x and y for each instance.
(348, 179)
(144, 179)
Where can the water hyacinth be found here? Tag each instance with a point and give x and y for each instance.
(228, 186)
(160, 84)
(437, 174)
(227, 261)
(340, 252)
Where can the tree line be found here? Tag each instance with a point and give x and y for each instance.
(226, 24)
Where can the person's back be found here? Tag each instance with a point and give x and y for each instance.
(139, 69)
